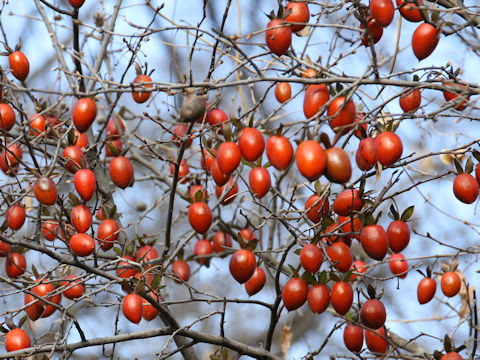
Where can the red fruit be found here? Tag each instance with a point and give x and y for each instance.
(35, 310)
(342, 113)
(251, 144)
(74, 157)
(353, 337)
(315, 207)
(375, 340)
(259, 181)
(178, 136)
(220, 241)
(121, 171)
(73, 287)
(294, 293)
(207, 159)
(279, 152)
(218, 176)
(113, 147)
(358, 266)
(316, 96)
(4, 249)
(374, 241)
(77, 4)
(350, 227)
(149, 312)
(146, 253)
(450, 283)
(311, 159)
(115, 128)
(124, 269)
(141, 96)
(426, 290)
(19, 65)
(424, 40)
(15, 216)
(330, 239)
(49, 229)
(202, 247)
(7, 117)
(83, 114)
(311, 258)
(200, 217)
(373, 314)
(359, 122)
(231, 195)
(299, 13)
(82, 244)
(340, 254)
(338, 168)
(216, 117)
(132, 307)
(43, 290)
(278, 36)
(398, 235)
(183, 170)
(366, 150)
(374, 29)
(194, 189)
(81, 139)
(107, 234)
(318, 298)
(10, 158)
(85, 183)
(247, 235)
(451, 95)
(388, 148)
(45, 191)
(346, 202)
(382, 11)
(256, 282)
(242, 265)
(283, 91)
(465, 188)
(181, 269)
(410, 101)
(451, 356)
(37, 123)
(341, 297)
(17, 339)
(81, 218)
(15, 265)
(410, 11)
(228, 157)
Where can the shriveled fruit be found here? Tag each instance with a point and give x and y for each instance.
(398, 235)
(251, 144)
(107, 233)
(450, 283)
(19, 65)
(338, 168)
(315, 207)
(465, 188)
(279, 152)
(424, 40)
(83, 114)
(341, 297)
(299, 13)
(283, 91)
(202, 248)
(347, 201)
(242, 265)
(256, 282)
(375, 340)
(138, 95)
(310, 159)
(382, 11)
(426, 290)
(340, 255)
(388, 148)
(353, 337)
(318, 298)
(121, 171)
(316, 96)
(259, 181)
(294, 293)
(278, 36)
(373, 314)
(82, 244)
(311, 258)
(374, 241)
(132, 307)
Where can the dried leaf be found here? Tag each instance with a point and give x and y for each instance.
(287, 336)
